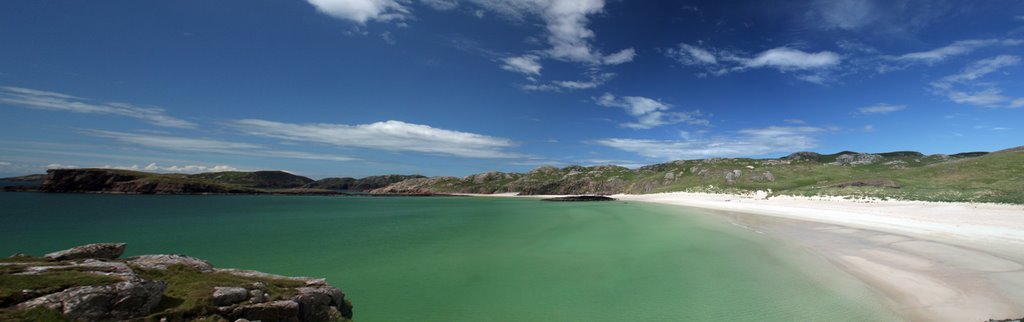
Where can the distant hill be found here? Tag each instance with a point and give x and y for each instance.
(257, 179)
(975, 176)
(26, 178)
(364, 184)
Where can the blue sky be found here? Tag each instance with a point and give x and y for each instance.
(453, 87)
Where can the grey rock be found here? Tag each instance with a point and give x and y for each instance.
(257, 296)
(162, 262)
(730, 177)
(764, 176)
(92, 265)
(130, 299)
(857, 159)
(229, 295)
(285, 311)
(803, 156)
(100, 250)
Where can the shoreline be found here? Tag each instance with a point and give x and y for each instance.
(927, 261)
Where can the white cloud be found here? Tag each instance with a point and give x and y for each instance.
(526, 64)
(361, 11)
(649, 113)
(784, 58)
(621, 57)
(595, 80)
(51, 101)
(812, 65)
(1017, 103)
(691, 55)
(153, 167)
(795, 121)
(880, 109)
(843, 14)
(747, 142)
(988, 95)
(869, 128)
(957, 48)
(567, 34)
(173, 143)
(441, 4)
(388, 136)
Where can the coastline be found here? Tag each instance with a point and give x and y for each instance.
(927, 261)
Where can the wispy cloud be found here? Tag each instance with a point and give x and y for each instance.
(594, 80)
(982, 94)
(568, 38)
(880, 109)
(957, 48)
(692, 55)
(785, 59)
(388, 136)
(746, 142)
(361, 11)
(526, 64)
(649, 113)
(185, 144)
(809, 65)
(154, 167)
(52, 101)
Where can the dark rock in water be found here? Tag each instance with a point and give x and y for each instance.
(101, 250)
(881, 183)
(580, 198)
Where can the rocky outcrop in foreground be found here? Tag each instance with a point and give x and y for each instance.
(90, 283)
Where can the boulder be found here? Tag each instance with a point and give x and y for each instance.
(730, 177)
(857, 159)
(223, 296)
(284, 311)
(162, 262)
(134, 298)
(100, 251)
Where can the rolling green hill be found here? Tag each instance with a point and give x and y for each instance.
(976, 177)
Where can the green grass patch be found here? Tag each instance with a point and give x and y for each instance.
(36, 314)
(11, 285)
(189, 291)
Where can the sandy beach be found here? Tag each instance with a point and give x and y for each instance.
(928, 261)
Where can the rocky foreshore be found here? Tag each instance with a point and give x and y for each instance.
(92, 283)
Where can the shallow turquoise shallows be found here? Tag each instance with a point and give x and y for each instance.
(468, 259)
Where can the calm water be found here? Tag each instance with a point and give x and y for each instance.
(467, 259)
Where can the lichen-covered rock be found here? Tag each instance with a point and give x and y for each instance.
(732, 176)
(105, 289)
(223, 296)
(284, 311)
(99, 250)
(165, 261)
(857, 159)
(124, 300)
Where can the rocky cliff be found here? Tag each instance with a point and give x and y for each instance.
(120, 181)
(90, 283)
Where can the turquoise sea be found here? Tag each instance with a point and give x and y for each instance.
(468, 259)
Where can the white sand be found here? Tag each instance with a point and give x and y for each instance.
(929, 261)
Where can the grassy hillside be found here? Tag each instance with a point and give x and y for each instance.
(976, 177)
